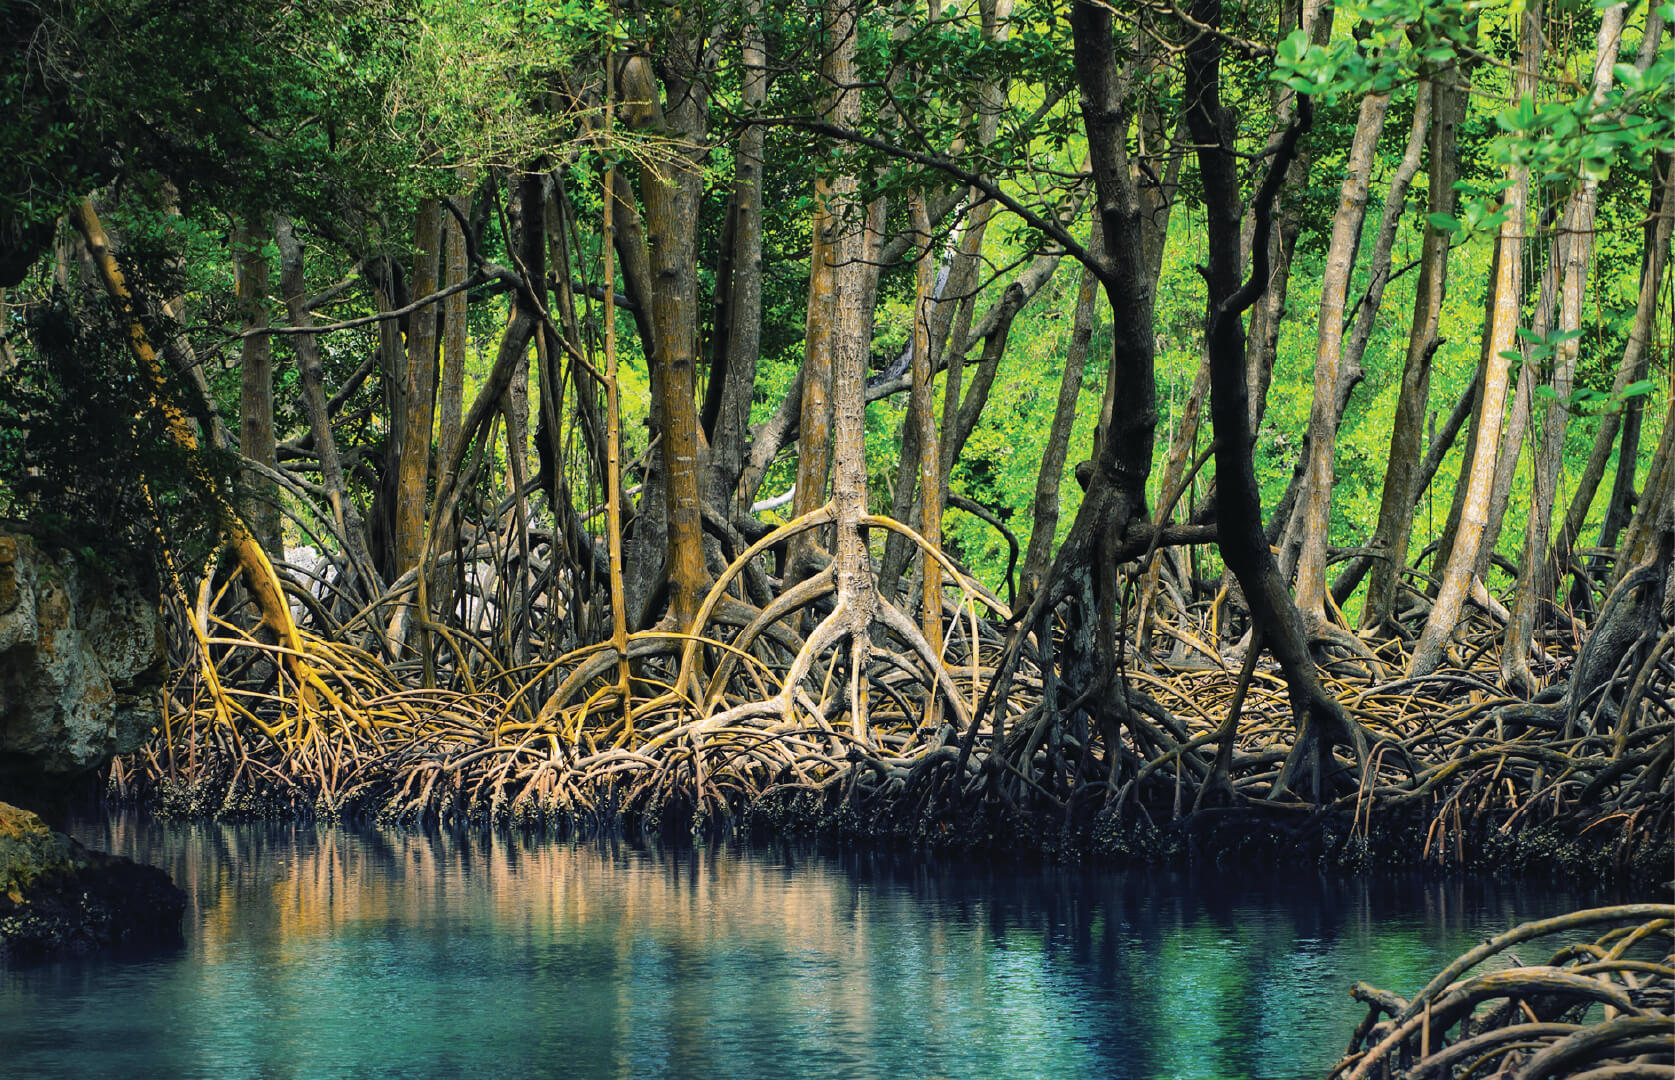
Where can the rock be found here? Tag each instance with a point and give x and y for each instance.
(81, 663)
(57, 897)
(29, 851)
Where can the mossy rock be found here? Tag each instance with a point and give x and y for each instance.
(30, 852)
(57, 897)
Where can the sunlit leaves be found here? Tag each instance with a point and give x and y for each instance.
(503, 82)
(1395, 40)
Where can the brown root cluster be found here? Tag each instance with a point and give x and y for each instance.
(776, 705)
(1599, 1009)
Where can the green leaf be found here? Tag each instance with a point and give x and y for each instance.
(1447, 223)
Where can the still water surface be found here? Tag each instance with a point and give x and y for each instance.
(325, 952)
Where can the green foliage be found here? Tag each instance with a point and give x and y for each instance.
(84, 452)
(501, 83)
(1579, 135)
(343, 113)
(264, 105)
(1393, 41)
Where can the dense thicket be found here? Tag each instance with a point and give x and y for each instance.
(648, 406)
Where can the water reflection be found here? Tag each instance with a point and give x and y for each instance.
(316, 952)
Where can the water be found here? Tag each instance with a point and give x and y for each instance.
(324, 952)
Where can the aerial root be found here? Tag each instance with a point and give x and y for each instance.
(1599, 1008)
(755, 704)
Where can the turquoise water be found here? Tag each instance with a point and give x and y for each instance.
(325, 952)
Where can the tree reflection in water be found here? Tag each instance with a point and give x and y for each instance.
(315, 951)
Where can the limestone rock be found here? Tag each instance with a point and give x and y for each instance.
(81, 662)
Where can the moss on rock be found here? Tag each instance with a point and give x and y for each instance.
(29, 852)
(58, 897)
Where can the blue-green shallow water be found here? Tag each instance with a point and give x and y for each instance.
(324, 952)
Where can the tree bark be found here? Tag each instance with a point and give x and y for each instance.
(1402, 487)
(1575, 240)
(1507, 296)
(1451, 525)
(952, 331)
(971, 407)
(928, 457)
(670, 187)
(311, 379)
(1319, 719)
(1116, 495)
(1648, 532)
(1114, 504)
(1183, 448)
(1314, 18)
(259, 575)
(814, 432)
(1285, 525)
(255, 414)
(511, 361)
(1325, 413)
(646, 542)
(847, 251)
(1046, 503)
(1655, 254)
(387, 296)
(417, 395)
(454, 337)
(730, 425)
(948, 338)
(1395, 199)
(1618, 509)
(1517, 423)
(1350, 578)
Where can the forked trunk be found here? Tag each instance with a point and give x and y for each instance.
(1319, 719)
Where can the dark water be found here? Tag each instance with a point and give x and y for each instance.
(322, 952)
